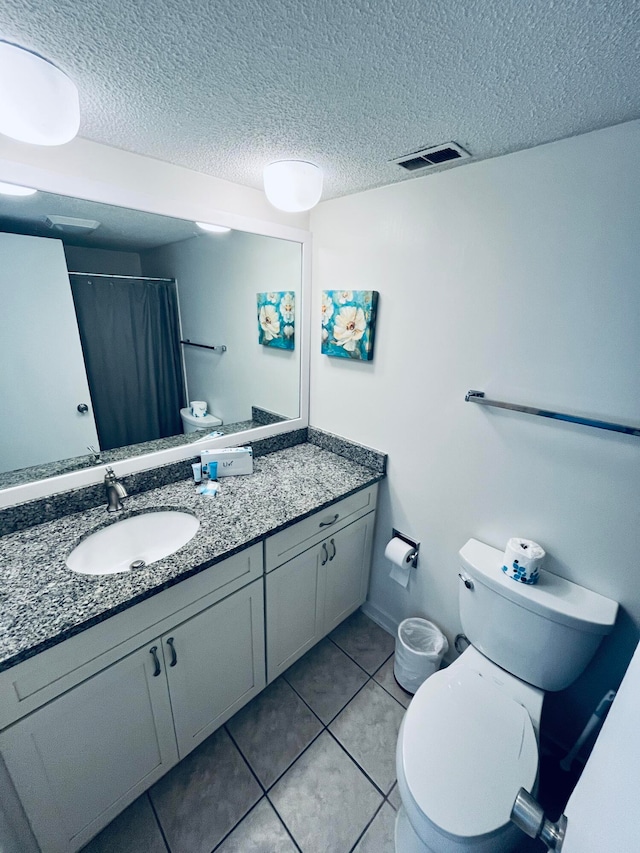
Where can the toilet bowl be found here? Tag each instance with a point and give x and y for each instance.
(190, 423)
(469, 739)
(464, 746)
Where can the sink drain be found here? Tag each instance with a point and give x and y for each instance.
(137, 564)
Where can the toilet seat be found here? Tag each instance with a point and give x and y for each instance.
(467, 748)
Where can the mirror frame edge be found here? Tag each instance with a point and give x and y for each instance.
(47, 180)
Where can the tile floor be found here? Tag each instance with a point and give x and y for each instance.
(308, 765)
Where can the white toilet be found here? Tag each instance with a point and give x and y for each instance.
(190, 423)
(469, 739)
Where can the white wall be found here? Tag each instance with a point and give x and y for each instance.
(519, 276)
(218, 277)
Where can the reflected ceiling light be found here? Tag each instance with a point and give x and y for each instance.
(213, 229)
(38, 102)
(14, 189)
(293, 185)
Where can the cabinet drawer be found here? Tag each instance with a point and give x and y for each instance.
(297, 538)
(25, 687)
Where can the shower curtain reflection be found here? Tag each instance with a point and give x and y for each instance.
(130, 333)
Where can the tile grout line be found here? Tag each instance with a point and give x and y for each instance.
(302, 699)
(358, 765)
(235, 826)
(388, 692)
(261, 786)
(283, 822)
(246, 761)
(157, 819)
(342, 707)
(344, 652)
(366, 829)
(370, 677)
(308, 746)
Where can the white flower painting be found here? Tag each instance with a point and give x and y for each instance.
(348, 323)
(276, 319)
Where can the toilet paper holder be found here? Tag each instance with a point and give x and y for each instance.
(415, 545)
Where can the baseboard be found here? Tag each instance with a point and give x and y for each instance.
(381, 618)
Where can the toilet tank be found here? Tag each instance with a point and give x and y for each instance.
(545, 634)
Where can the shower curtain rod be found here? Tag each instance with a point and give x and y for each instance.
(109, 275)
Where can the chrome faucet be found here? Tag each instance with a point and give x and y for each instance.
(95, 455)
(115, 491)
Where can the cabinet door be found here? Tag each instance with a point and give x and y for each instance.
(347, 571)
(295, 593)
(215, 664)
(80, 760)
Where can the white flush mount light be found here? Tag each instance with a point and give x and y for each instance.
(293, 185)
(213, 229)
(14, 189)
(38, 102)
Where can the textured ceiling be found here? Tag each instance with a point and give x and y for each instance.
(120, 228)
(225, 87)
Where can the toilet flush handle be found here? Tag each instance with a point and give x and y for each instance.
(465, 580)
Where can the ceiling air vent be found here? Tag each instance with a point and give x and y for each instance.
(430, 157)
(70, 224)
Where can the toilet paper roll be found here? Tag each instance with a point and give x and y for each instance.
(523, 560)
(198, 408)
(400, 553)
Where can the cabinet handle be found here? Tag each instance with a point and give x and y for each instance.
(334, 550)
(153, 651)
(174, 656)
(329, 523)
(326, 553)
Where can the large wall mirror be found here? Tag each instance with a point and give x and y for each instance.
(114, 320)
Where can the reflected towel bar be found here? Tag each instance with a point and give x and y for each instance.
(220, 347)
(478, 397)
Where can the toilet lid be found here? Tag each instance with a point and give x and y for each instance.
(467, 748)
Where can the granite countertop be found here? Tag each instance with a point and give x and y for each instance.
(42, 602)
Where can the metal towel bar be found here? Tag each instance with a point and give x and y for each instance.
(220, 347)
(478, 397)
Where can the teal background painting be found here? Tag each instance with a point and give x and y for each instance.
(349, 323)
(276, 319)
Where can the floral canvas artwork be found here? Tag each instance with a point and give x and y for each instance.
(276, 319)
(349, 323)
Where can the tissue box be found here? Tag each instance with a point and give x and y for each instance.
(231, 460)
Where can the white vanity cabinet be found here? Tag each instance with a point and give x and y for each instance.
(81, 758)
(317, 574)
(214, 664)
(78, 761)
(89, 724)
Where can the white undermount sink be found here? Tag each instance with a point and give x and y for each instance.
(133, 542)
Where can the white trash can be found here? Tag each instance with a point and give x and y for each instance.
(420, 647)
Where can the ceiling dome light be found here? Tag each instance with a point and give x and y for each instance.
(293, 185)
(213, 229)
(38, 102)
(14, 189)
